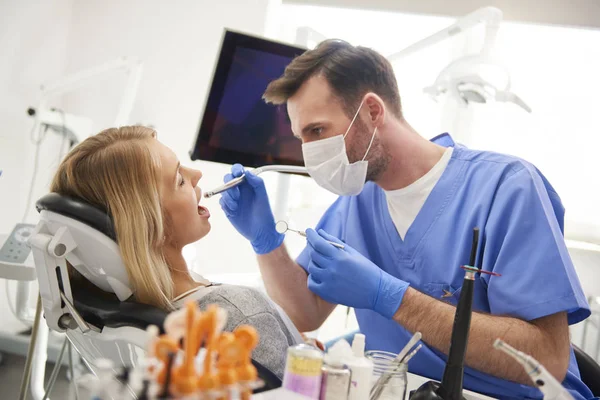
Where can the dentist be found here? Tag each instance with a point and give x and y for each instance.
(406, 211)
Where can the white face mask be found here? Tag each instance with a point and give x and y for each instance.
(327, 163)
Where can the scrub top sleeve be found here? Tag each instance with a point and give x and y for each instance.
(332, 222)
(524, 243)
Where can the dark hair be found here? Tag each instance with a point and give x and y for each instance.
(351, 72)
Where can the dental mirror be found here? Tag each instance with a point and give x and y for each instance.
(282, 227)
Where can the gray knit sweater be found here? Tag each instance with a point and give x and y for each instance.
(248, 306)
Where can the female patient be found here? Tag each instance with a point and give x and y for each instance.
(154, 204)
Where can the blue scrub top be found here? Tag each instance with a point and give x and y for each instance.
(520, 217)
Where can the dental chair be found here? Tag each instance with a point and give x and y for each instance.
(112, 326)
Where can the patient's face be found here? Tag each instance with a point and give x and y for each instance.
(186, 220)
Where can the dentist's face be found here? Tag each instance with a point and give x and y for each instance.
(186, 221)
(315, 113)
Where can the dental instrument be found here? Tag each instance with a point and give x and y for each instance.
(541, 378)
(377, 388)
(282, 227)
(267, 168)
(411, 354)
(451, 387)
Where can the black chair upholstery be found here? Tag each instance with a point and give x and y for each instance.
(589, 370)
(78, 210)
(271, 380)
(108, 311)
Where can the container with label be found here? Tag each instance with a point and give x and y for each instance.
(303, 370)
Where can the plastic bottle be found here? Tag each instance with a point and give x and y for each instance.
(362, 370)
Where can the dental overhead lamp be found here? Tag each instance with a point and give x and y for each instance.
(477, 78)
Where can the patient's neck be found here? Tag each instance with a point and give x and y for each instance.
(182, 280)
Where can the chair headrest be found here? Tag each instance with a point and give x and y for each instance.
(79, 210)
(97, 256)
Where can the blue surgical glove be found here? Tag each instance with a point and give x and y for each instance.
(347, 277)
(247, 208)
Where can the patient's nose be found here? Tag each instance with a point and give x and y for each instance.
(196, 176)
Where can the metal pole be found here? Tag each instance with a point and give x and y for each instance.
(40, 356)
(22, 303)
(28, 362)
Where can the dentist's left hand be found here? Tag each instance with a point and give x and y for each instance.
(247, 208)
(344, 276)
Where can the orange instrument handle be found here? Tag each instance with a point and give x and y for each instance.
(162, 347)
(184, 377)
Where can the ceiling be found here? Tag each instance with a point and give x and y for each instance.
(576, 13)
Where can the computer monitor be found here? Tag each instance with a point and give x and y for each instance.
(237, 125)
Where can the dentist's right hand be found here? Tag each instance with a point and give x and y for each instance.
(248, 209)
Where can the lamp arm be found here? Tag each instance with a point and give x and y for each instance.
(491, 16)
(132, 66)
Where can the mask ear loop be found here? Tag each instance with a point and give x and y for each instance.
(370, 143)
(353, 119)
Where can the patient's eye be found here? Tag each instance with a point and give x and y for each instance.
(316, 131)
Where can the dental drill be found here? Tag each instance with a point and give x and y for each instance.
(236, 181)
(541, 378)
(451, 387)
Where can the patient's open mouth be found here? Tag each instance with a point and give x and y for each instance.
(203, 211)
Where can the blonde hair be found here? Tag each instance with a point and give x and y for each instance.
(117, 172)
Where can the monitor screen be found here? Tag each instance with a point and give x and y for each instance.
(237, 125)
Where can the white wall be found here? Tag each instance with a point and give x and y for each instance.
(586, 258)
(33, 44)
(581, 13)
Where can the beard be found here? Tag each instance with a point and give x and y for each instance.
(377, 156)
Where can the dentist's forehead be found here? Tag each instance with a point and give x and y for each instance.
(312, 102)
